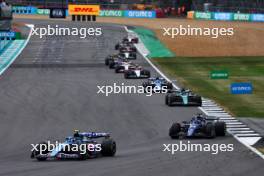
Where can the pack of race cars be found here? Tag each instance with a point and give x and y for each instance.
(123, 63)
(198, 126)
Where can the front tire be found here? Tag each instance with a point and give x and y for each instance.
(170, 103)
(106, 61)
(174, 131)
(111, 64)
(36, 153)
(126, 75)
(166, 99)
(210, 130)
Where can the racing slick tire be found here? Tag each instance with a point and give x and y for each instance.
(117, 69)
(147, 73)
(111, 64)
(166, 99)
(134, 50)
(135, 40)
(106, 61)
(117, 46)
(169, 100)
(198, 99)
(174, 131)
(210, 130)
(169, 86)
(108, 147)
(35, 153)
(84, 156)
(220, 128)
(127, 74)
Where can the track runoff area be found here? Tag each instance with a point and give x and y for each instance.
(52, 88)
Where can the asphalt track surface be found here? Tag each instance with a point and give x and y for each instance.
(51, 89)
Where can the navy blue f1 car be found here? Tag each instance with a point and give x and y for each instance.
(198, 126)
(80, 146)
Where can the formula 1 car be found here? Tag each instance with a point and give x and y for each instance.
(136, 72)
(198, 126)
(183, 97)
(113, 64)
(124, 66)
(112, 58)
(157, 84)
(80, 146)
(128, 55)
(123, 48)
(130, 39)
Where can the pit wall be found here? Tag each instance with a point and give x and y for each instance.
(223, 16)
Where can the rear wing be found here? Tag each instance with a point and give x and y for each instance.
(212, 118)
(94, 135)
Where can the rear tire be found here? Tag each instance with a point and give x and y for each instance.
(166, 99)
(117, 69)
(169, 101)
(210, 130)
(147, 73)
(174, 131)
(111, 64)
(126, 75)
(117, 46)
(220, 128)
(108, 147)
(169, 86)
(106, 61)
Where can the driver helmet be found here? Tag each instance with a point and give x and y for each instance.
(183, 90)
(76, 133)
(199, 116)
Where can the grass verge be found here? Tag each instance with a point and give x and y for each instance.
(194, 73)
(261, 150)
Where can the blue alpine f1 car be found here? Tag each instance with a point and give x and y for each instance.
(198, 126)
(80, 146)
(157, 84)
(183, 97)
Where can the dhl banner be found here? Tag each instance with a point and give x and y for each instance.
(84, 9)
